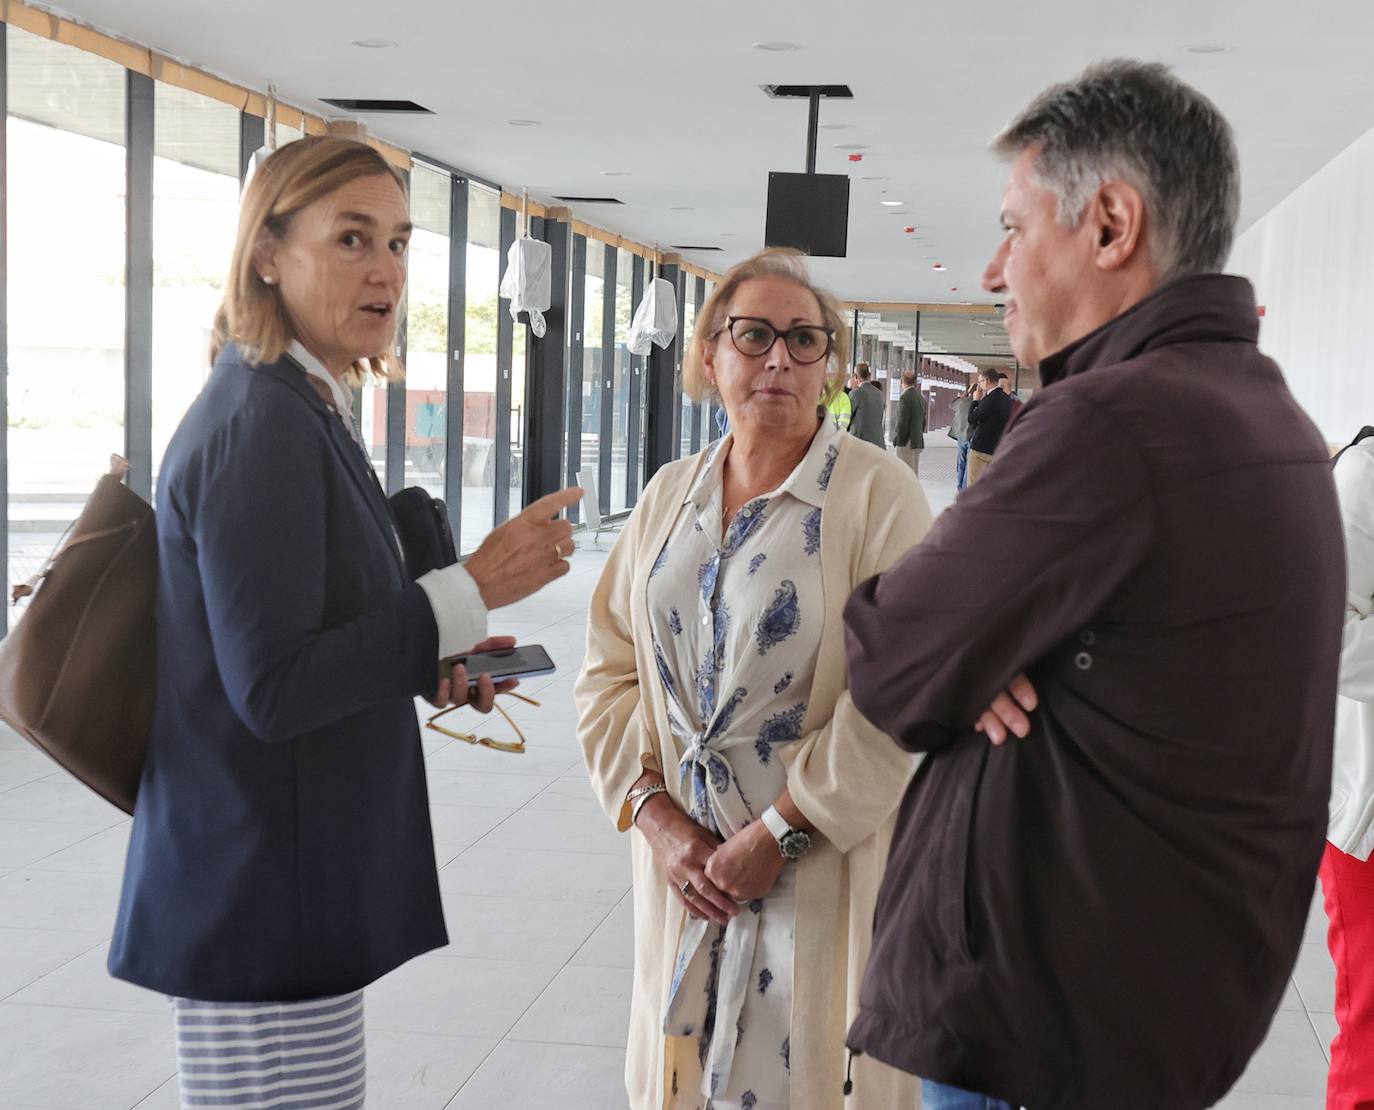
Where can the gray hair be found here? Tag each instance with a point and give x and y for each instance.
(1130, 121)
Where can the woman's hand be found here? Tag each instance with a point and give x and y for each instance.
(525, 554)
(748, 864)
(455, 690)
(683, 850)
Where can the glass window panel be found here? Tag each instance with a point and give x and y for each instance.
(620, 382)
(689, 319)
(518, 374)
(709, 429)
(593, 310)
(66, 266)
(427, 330)
(195, 218)
(479, 374)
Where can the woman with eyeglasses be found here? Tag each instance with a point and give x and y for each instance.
(717, 726)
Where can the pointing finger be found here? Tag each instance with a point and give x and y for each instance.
(550, 505)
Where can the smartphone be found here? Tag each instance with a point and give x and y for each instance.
(528, 661)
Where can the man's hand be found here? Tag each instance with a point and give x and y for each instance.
(1006, 716)
(525, 554)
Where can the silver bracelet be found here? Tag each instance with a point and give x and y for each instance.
(638, 798)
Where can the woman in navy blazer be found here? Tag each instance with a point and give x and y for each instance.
(281, 850)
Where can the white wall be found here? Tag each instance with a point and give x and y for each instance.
(1312, 263)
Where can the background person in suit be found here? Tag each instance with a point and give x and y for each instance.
(866, 401)
(281, 856)
(910, 435)
(987, 420)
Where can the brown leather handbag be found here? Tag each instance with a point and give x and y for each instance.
(77, 672)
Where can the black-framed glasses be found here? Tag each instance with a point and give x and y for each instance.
(806, 343)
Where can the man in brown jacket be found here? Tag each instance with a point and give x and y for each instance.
(1102, 914)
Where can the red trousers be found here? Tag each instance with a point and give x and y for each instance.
(1348, 885)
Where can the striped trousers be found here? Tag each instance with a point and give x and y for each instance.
(272, 1055)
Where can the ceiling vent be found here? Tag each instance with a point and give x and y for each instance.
(376, 105)
(589, 200)
(681, 247)
(803, 92)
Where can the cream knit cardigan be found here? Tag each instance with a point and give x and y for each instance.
(844, 775)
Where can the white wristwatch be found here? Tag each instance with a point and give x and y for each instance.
(792, 843)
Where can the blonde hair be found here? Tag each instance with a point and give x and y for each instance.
(776, 262)
(253, 315)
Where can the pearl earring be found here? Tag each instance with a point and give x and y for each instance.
(268, 280)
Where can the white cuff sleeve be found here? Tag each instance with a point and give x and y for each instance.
(458, 608)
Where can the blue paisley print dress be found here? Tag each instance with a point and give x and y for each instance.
(736, 619)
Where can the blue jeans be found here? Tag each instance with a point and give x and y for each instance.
(936, 1096)
(961, 465)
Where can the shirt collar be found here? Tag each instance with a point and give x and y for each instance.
(807, 482)
(343, 396)
(1201, 308)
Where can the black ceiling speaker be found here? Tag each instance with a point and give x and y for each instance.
(809, 211)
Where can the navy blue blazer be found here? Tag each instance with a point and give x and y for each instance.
(987, 419)
(281, 844)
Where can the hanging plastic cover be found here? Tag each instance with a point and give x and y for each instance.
(656, 320)
(528, 281)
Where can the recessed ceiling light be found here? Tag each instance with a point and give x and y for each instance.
(872, 179)
(373, 44)
(523, 122)
(729, 234)
(615, 173)
(777, 47)
(837, 127)
(892, 203)
(682, 208)
(1207, 48)
(851, 146)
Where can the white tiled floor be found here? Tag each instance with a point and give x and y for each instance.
(526, 1007)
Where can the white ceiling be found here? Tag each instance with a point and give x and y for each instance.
(670, 92)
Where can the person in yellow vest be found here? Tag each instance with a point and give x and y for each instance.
(840, 410)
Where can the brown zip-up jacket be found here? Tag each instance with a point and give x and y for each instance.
(1103, 916)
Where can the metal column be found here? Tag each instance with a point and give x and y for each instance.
(546, 375)
(252, 136)
(138, 284)
(658, 409)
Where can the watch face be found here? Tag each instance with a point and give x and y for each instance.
(795, 844)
